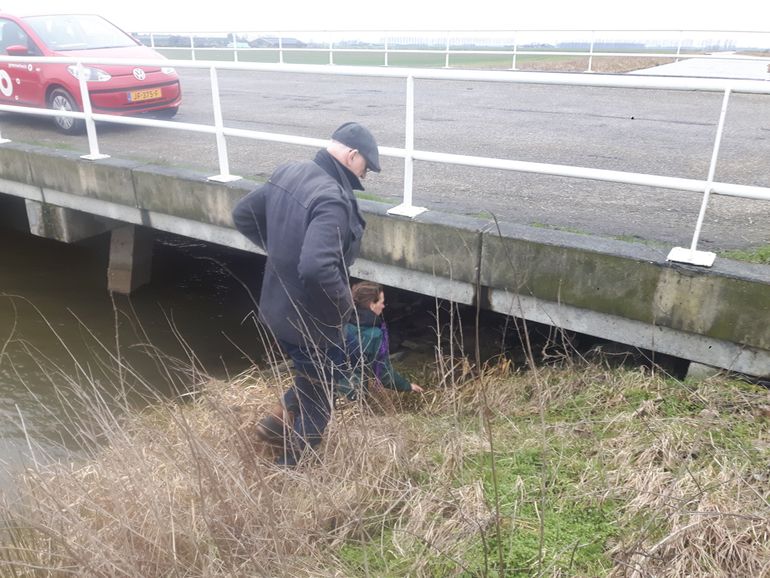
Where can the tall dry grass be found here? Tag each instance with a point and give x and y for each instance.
(180, 489)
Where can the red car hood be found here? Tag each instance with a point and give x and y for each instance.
(127, 52)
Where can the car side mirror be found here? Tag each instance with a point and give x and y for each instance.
(17, 50)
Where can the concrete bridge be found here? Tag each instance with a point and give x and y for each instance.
(612, 289)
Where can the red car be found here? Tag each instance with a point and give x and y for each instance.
(112, 89)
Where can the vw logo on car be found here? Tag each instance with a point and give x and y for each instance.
(139, 74)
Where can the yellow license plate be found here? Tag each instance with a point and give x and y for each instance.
(137, 95)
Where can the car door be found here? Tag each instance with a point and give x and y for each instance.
(20, 82)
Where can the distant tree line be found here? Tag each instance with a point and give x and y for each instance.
(224, 41)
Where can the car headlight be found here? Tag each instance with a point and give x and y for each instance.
(168, 70)
(89, 74)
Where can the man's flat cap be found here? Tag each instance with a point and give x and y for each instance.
(358, 137)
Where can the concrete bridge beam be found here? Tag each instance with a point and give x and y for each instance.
(62, 224)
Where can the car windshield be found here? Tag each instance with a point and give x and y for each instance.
(78, 32)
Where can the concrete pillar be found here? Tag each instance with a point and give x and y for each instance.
(130, 259)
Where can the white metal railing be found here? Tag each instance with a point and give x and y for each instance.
(409, 154)
(511, 44)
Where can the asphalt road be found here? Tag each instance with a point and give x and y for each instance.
(661, 132)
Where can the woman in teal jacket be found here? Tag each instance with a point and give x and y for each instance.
(366, 338)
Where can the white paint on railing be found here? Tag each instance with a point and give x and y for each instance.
(693, 256)
(658, 181)
(712, 168)
(407, 209)
(224, 175)
(93, 142)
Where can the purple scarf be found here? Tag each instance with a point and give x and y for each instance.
(383, 353)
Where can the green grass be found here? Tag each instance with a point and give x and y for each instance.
(376, 58)
(60, 145)
(759, 255)
(372, 197)
(639, 240)
(566, 229)
(576, 529)
(581, 517)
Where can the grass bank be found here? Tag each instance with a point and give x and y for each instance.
(576, 470)
(759, 255)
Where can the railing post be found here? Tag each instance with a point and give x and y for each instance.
(386, 51)
(406, 208)
(679, 46)
(152, 40)
(93, 143)
(280, 49)
(446, 57)
(192, 46)
(591, 51)
(515, 49)
(692, 255)
(331, 51)
(224, 165)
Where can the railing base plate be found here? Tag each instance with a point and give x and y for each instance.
(94, 157)
(4, 140)
(224, 178)
(406, 210)
(683, 255)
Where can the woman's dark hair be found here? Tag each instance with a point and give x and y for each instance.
(365, 293)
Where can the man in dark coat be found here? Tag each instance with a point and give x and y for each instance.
(307, 220)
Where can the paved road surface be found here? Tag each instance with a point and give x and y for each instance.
(664, 132)
(717, 65)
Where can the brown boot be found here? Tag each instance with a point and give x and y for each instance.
(272, 428)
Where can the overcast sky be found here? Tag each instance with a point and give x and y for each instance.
(232, 15)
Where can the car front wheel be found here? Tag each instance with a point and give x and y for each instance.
(60, 99)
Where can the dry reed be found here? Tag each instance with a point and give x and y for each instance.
(181, 490)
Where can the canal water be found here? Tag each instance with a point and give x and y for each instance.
(66, 343)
